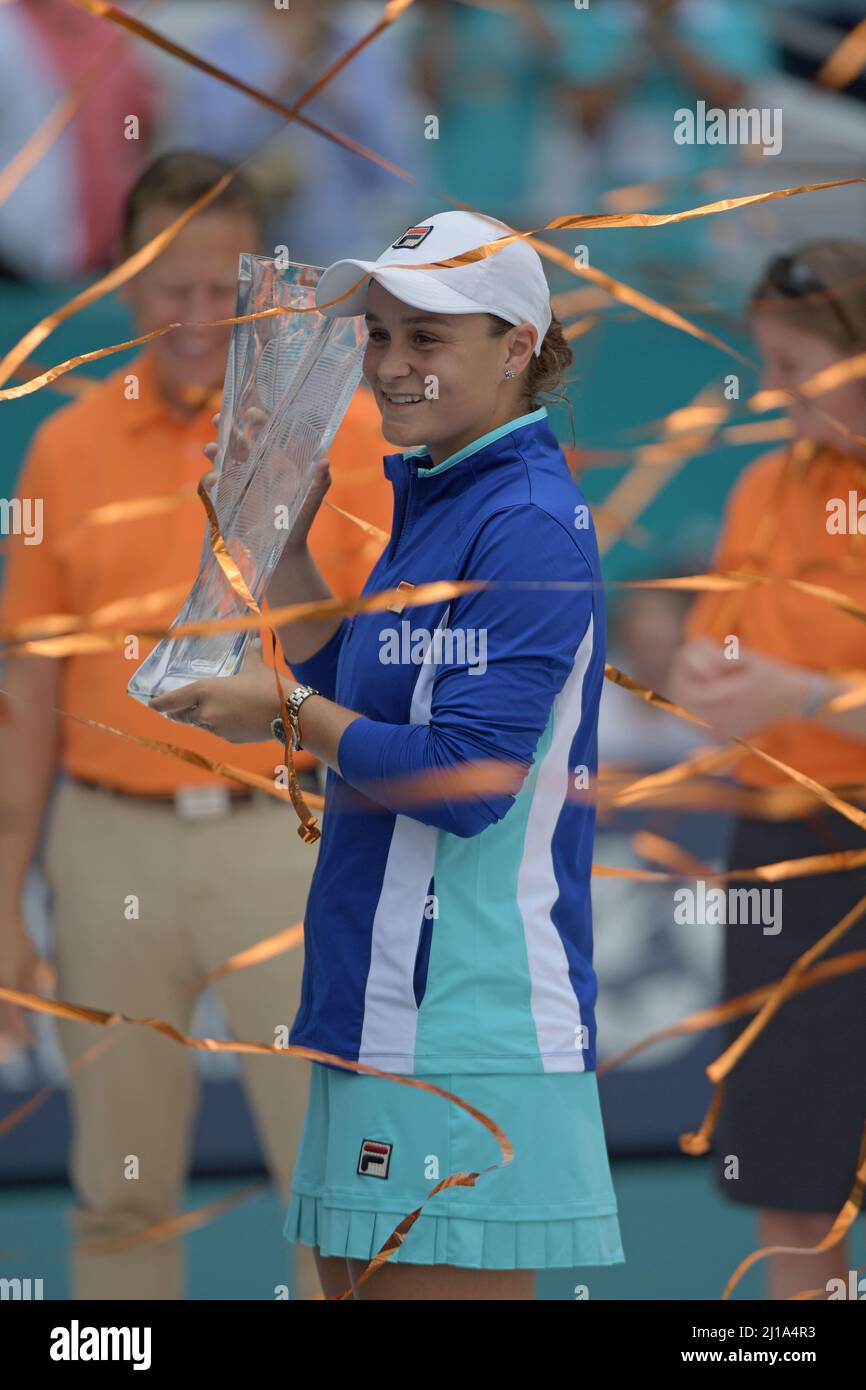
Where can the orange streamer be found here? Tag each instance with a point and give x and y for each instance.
(846, 61)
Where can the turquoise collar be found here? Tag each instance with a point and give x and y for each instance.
(477, 444)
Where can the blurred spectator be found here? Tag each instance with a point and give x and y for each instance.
(64, 216)
(766, 664)
(487, 78)
(635, 62)
(319, 192)
(213, 867)
(632, 64)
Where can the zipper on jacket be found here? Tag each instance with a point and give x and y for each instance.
(404, 498)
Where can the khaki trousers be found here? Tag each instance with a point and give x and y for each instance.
(205, 889)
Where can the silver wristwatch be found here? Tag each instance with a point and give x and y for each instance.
(293, 703)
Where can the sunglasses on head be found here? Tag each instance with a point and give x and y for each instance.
(795, 279)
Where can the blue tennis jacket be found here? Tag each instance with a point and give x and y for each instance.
(449, 929)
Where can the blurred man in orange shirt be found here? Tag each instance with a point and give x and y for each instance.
(141, 850)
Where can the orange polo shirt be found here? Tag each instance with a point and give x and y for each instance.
(776, 524)
(104, 448)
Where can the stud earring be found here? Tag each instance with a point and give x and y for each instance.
(509, 373)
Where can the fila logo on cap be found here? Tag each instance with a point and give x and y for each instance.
(412, 237)
(374, 1159)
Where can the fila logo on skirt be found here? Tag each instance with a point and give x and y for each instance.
(374, 1160)
(412, 237)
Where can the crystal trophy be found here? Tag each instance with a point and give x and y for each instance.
(289, 380)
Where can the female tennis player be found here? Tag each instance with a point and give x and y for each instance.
(448, 932)
(795, 1106)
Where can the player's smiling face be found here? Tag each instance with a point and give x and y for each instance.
(437, 378)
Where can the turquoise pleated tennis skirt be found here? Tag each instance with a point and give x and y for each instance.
(371, 1151)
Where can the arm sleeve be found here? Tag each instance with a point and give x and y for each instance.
(520, 646)
(320, 669)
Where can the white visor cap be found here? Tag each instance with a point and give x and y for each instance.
(509, 283)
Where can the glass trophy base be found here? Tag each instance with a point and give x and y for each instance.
(165, 677)
(289, 380)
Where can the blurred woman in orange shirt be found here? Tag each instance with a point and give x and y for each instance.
(795, 1105)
